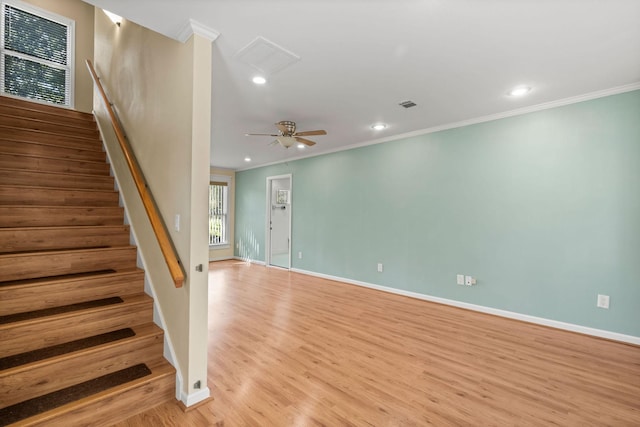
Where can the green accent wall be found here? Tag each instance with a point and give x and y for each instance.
(542, 208)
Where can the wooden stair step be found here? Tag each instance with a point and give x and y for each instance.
(53, 164)
(113, 405)
(59, 216)
(42, 196)
(11, 146)
(58, 398)
(24, 295)
(47, 108)
(29, 112)
(80, 360)
(10, 133)
(31, 265)
(43, 138)
(25, 239)
(55, 179)
(58, 128)
(33, 334)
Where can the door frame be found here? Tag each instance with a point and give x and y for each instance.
(267, 240)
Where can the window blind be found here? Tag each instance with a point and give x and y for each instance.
(35, 56)
(218, 218)
(35, 36)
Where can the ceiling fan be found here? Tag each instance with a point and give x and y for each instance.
(288, 136)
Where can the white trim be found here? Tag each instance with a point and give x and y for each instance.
(267, 228)
(482, 309)
(518, 112)
(219, 246)
(193, 398)
(222, 258)
(192, 27)
(249, 260)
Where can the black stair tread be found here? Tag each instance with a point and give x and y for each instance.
(59, 310)
(38, 405)
(57, 350)
(39, 281)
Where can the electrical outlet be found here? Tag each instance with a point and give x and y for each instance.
(300, 255)
(460, 279)
(379, 267)
(469, 281)
(603, 301)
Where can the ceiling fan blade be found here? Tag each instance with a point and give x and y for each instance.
(305, 141)
(282, 128)
(260, 134)
(310, 132)
(274, 142)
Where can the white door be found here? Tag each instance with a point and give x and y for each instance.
(279, 221)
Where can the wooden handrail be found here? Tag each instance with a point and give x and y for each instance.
(168, 250)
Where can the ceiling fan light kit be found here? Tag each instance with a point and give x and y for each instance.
(288, 136)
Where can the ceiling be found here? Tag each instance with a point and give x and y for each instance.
(456, 59)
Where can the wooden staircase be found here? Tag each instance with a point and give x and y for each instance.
(78, 345)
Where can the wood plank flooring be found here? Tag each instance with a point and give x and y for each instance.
(291, 350)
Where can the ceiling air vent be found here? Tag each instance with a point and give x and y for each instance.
(407, 104)
(266, 56)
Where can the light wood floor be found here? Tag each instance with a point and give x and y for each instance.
(292, 350)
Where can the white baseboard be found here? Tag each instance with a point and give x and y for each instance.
(503, 313)
(221, 258)
(193, 398)
(251, 261)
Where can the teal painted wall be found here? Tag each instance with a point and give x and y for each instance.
(543, 209)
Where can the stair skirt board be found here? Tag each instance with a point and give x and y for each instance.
(38, 405)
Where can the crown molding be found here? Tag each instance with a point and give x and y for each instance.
(511, 113)
(192, 27)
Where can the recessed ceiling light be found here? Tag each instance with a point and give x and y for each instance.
(301, 145)
(379, 126)
(247, 159)
(519, 91)
(259, 80)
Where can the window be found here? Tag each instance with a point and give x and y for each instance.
(36, 60)
(218, 211)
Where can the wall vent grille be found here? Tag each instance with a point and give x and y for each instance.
(407, 104)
